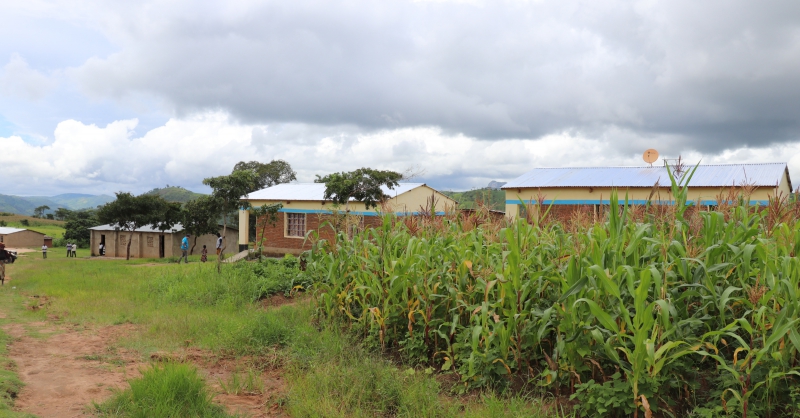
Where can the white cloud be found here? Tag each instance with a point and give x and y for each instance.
(19, 80)
(183, 151)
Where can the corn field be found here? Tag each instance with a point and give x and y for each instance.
(659, 310)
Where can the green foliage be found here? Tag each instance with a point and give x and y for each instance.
(267, 175)
(170, 390)
(238, 286)
(199, 217)
(608, 399)
(3, 223)
(229, 192)
(363, 185)
(25, 222)
(130, 213)
(663, 295)
(268, 215)
(76, 228)
(175, 194)
(494, 199)
(39, 211)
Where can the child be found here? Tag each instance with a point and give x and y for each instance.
(204, 255)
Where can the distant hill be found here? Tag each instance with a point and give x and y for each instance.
(24, 205)
(16, 204)
(175, 194)
(76, 201)
(495, 199)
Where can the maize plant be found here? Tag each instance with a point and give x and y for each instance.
(692, 312)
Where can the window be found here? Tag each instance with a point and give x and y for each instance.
(295, 225)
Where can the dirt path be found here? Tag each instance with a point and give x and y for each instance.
(65, 369)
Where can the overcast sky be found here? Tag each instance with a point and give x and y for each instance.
(98, 96)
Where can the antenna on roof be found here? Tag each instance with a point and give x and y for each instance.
(650, 156)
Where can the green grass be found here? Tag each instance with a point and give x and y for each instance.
(327, 373)
(10, 384)
(170, 391)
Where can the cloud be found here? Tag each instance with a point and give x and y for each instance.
(708, 75)
(18, 80)
(183, 151)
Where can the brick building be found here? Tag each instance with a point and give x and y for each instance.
(589, 188)
(305, 209)
(147, 242)
(21, 238)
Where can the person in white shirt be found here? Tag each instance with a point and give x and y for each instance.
(44, 251)
(69, 250)
(219, 243)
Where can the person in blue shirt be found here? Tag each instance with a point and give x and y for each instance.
(184, 249)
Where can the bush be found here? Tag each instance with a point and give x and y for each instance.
(25, 222)
(168, 390)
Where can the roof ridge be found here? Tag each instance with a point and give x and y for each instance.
(653, 166)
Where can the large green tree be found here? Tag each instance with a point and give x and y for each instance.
(267, 175)
(364, 185)
(229, 192)
(39, 211)
(129, 213)
(199, 217)
(62, 214)
(76, 228)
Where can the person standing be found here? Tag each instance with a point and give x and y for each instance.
(75, 250)
(204, 254)
(219, 244)
(69, 250)
(4, 257)
(184, 249)
(102, 250)
(44, 250)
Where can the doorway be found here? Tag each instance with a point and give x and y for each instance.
(161, 246)
(102, 248)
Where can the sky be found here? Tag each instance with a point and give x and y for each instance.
(100, 96)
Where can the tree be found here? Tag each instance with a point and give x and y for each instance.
(129, 213)
(363, 185)
(267, 175)
(228, 192)
(269, 216)
(38, 212)
(62, 214)
(76, 229)
(200, 217)
(166, 215)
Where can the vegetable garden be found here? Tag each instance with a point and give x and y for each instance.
(658, 310)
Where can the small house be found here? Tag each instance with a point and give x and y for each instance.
(305, 209)
(21, 238)
(148, 242)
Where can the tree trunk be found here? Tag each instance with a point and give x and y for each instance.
(191, 250)
(130, 239)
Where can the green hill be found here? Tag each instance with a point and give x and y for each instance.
(17, 204)
(76, 201)
(175, 194)
(495, 199)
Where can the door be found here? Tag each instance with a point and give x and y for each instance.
(161, 246)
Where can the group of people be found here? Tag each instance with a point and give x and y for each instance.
(203, 253)
(72, 250)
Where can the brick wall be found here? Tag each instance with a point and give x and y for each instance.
(277, 243)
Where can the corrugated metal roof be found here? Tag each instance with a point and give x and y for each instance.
(315, 191)
(148, 228)
(722, 175)
(5, 230)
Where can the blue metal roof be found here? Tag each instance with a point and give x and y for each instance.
(722, 175)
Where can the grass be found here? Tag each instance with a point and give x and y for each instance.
(326, 371)
(10, 384)
(168, 390)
